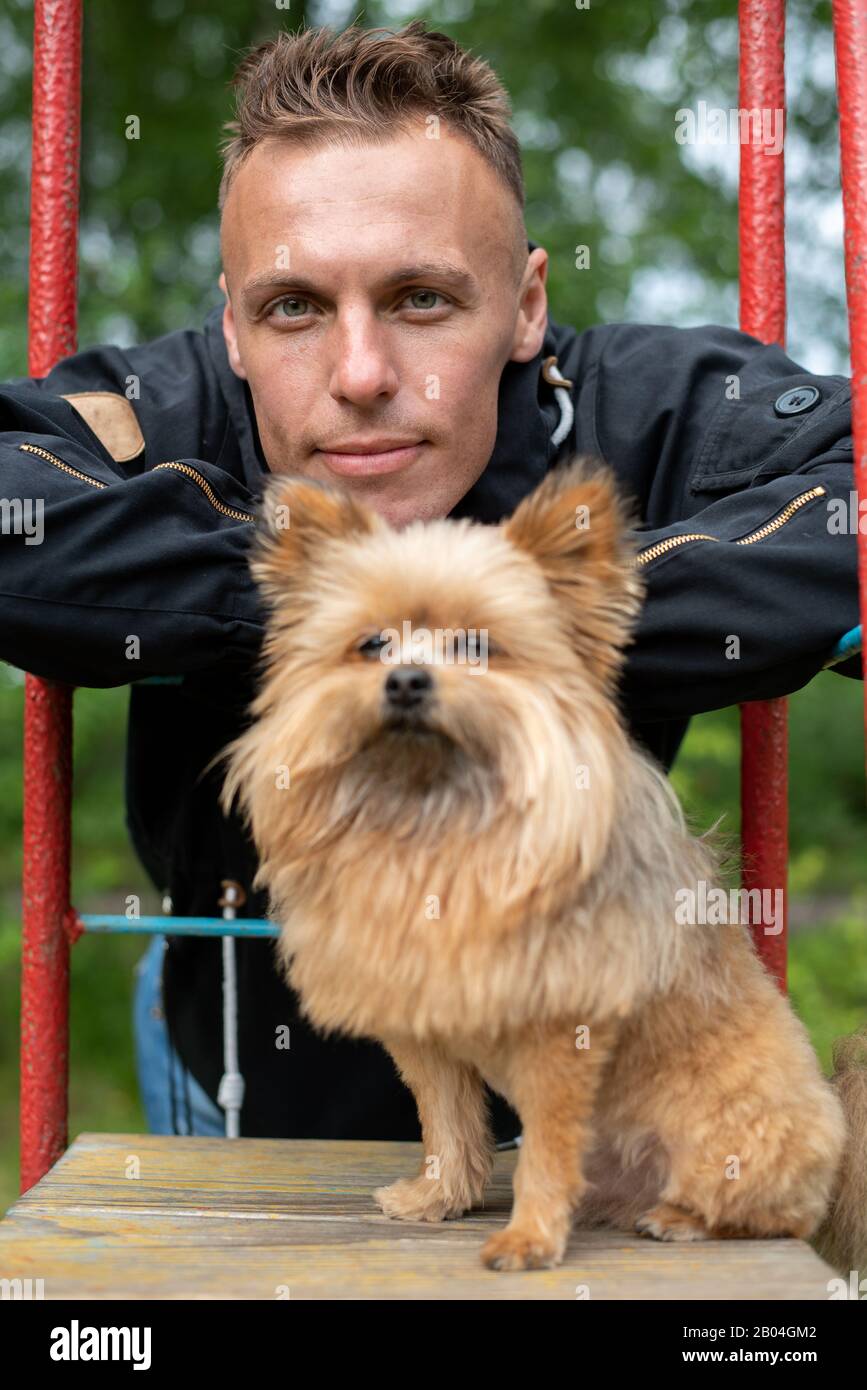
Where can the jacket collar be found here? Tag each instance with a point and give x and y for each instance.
(528, 414)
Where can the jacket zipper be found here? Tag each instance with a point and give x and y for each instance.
(180, 467)
(208, 491)
(52, 458)
(643, 557)
(662, 547)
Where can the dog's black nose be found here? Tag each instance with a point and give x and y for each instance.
(408, 686)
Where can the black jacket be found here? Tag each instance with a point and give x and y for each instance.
(134, 548)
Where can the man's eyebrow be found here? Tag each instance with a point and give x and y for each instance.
(456, 276)
(444, 271)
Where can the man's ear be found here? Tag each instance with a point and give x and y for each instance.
(297, 520)
(532, 318)
(575, 525)
(230, 332)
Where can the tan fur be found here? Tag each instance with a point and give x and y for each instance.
(459, 892)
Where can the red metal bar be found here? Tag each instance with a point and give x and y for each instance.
(48, 706)
(761, 230)
(850, 47)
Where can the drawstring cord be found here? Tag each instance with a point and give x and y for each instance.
(230, 1096)
(231, 1093)
(562, 387)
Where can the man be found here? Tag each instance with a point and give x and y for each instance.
(386, 328)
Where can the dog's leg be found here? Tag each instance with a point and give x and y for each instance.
(553, 1086)
(458, 1146)
(751, 1126)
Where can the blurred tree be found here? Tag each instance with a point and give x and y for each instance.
(595, 92)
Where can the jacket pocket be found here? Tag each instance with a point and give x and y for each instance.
(748, 441)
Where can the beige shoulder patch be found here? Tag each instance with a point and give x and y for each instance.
(113, 421)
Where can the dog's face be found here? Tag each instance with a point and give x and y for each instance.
(423, 680)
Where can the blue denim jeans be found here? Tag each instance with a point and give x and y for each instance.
(173, 1101)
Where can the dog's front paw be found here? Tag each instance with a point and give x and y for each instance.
(518, 1248)
(418, 1199)
(668, 1222)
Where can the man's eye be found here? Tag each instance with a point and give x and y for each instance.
(372, 647)
(422, 294)
(292, 307)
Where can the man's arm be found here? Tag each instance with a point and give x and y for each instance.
(753, 613)
(730, 441)
(110, 572)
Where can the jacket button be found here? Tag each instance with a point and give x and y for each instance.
(795, 402)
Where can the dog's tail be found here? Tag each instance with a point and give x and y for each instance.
(842, 1237)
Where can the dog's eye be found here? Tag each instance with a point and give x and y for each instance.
(372, 647)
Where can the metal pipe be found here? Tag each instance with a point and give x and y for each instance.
(850, 47)
(761, 236)
(48, 706)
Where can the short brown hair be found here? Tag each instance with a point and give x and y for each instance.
(316, 85)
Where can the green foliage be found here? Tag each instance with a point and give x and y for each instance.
(594, 92)
(103, 860)
(827, 809)
(828, 978)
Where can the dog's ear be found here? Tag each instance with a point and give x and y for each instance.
(575, 525)
(297, 517)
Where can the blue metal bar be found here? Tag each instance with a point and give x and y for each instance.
(179, 926)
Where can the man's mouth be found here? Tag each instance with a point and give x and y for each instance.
(362, 458)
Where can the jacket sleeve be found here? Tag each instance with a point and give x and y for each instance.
(753, 608)
(111, 574)
(746, 491)
(749, 543)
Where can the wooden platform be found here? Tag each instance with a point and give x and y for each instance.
(247, 1218)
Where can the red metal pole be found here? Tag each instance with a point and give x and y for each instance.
(850, 47)
(48, 706)
(761, 227)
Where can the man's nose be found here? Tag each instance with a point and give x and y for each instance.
(408, 687)
(363, 371)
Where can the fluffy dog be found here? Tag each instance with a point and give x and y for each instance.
(480, 869)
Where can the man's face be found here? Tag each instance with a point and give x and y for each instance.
(373, 300)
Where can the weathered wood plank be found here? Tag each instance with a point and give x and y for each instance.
(254, 1218)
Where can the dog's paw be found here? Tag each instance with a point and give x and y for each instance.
(668, 1222)
(418, 1199)
(515, 1248)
